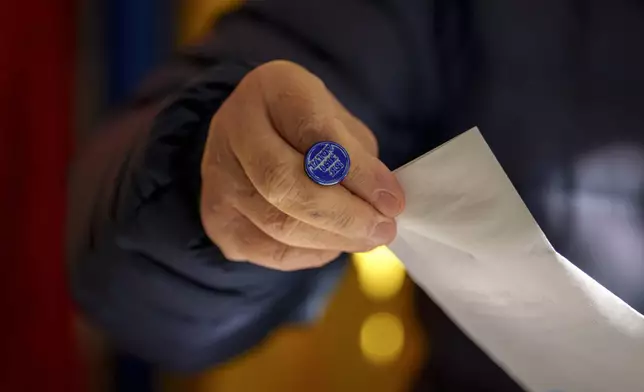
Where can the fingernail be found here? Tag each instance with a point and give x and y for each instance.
(384, 233)
(388, 204)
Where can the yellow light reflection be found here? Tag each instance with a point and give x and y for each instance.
(380, 273)
(382, 337)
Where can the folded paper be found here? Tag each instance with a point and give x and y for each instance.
(469, 241)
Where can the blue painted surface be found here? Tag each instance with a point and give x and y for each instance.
(327, 163)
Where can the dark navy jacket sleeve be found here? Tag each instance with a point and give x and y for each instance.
(142, 268)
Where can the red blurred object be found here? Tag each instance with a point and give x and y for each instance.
(36, 68)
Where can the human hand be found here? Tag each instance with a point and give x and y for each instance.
(258, 204)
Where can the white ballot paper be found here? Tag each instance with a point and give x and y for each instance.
(469, 241)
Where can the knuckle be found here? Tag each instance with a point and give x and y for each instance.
(311, 125)
(284, 69)
(244, 192)
(280, 225)
(233, 248)
(279, 254)
(314, 128)
(355, 223)
(209, 213)
(278, 182)
(231, 251)
(280, 74)
(317, 236)
(344, 220)
(283, 190)
(277, 65)
(258, 75)
(215, 207)
(231, 240)
(291, 96)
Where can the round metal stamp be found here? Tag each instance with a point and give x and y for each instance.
(327, 163)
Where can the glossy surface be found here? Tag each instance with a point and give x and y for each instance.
(327, 163)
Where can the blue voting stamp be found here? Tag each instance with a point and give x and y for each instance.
(327, 163)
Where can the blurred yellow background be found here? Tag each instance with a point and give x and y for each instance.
(197, 17)
(367, 340)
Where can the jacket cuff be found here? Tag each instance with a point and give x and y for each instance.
(153, 279)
